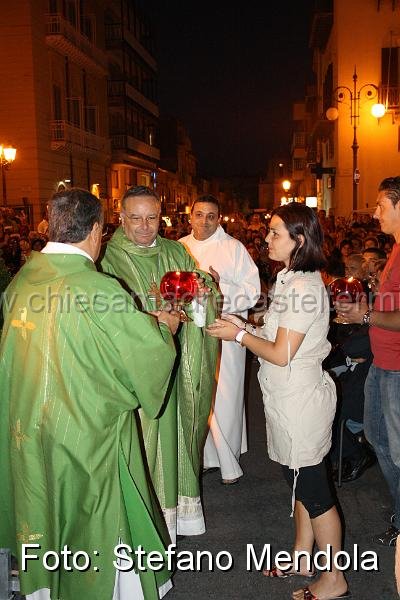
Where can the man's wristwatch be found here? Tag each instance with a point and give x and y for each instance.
(239, 336)
(366, 320)
(249, 328)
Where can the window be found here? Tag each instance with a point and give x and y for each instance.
(74, 112)
(57, 103)
(69, 11)
(328, 88)
(91, 119)
(390, 69)
(115, 178)
(88, 27)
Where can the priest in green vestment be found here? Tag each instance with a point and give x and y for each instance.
(76, 359)
(138, 257)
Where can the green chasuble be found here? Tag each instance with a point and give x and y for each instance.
(76, 359)
(174, 441)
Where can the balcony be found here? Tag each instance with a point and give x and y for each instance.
(64, 38)
(65, 136)
(118, 90)
(130, 144)
(321, 25)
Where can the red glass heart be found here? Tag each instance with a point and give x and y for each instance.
(346, 289)
(179, 287)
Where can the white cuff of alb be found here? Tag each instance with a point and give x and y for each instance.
(239, 336)
(199, 313)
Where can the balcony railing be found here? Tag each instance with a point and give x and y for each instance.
(390, 97)
(115, 33)
(117, 90)
(131, 144)
(64, 135)
(60, 34)
(299, 139)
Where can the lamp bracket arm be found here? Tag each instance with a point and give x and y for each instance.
(342, 92)
(371, 91)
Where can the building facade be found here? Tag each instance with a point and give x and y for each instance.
(53, 101)
(80, 100)
(176, 181)
(356, 61)
(132, 97)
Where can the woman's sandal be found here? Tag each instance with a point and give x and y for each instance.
(308, 595)
(279, 574)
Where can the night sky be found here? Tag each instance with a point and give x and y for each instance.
(230, 72)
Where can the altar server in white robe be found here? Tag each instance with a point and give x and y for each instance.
(231, 265)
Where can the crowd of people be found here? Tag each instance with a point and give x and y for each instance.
(361, 234)
(124, 424)
(18, 239)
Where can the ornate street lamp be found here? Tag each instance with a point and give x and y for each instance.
(352, 97)
(7, 156)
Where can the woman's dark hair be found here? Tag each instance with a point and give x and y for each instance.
(72, 214)
(299, 220)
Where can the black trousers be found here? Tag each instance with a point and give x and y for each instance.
(314, 488)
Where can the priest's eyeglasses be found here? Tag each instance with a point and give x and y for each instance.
(138, 219)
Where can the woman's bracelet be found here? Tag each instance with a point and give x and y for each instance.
(239, 336)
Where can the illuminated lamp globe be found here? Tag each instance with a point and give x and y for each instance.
(9, 153)
(378, 110)
(332, 113)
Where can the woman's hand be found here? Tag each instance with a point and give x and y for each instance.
(223, 329)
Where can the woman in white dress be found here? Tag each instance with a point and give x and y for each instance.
(299, 397)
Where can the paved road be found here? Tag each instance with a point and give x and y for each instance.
(256, 511)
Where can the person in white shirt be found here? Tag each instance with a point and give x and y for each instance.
(299, 397)
(231, 265)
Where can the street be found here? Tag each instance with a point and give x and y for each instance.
(257, 512)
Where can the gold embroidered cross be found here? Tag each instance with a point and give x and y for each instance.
(22, 323)
(155, 295)
(25, 536)
(18, 435)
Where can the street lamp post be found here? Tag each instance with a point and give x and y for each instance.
(7, 156)
(352, 97)
(286, 185)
